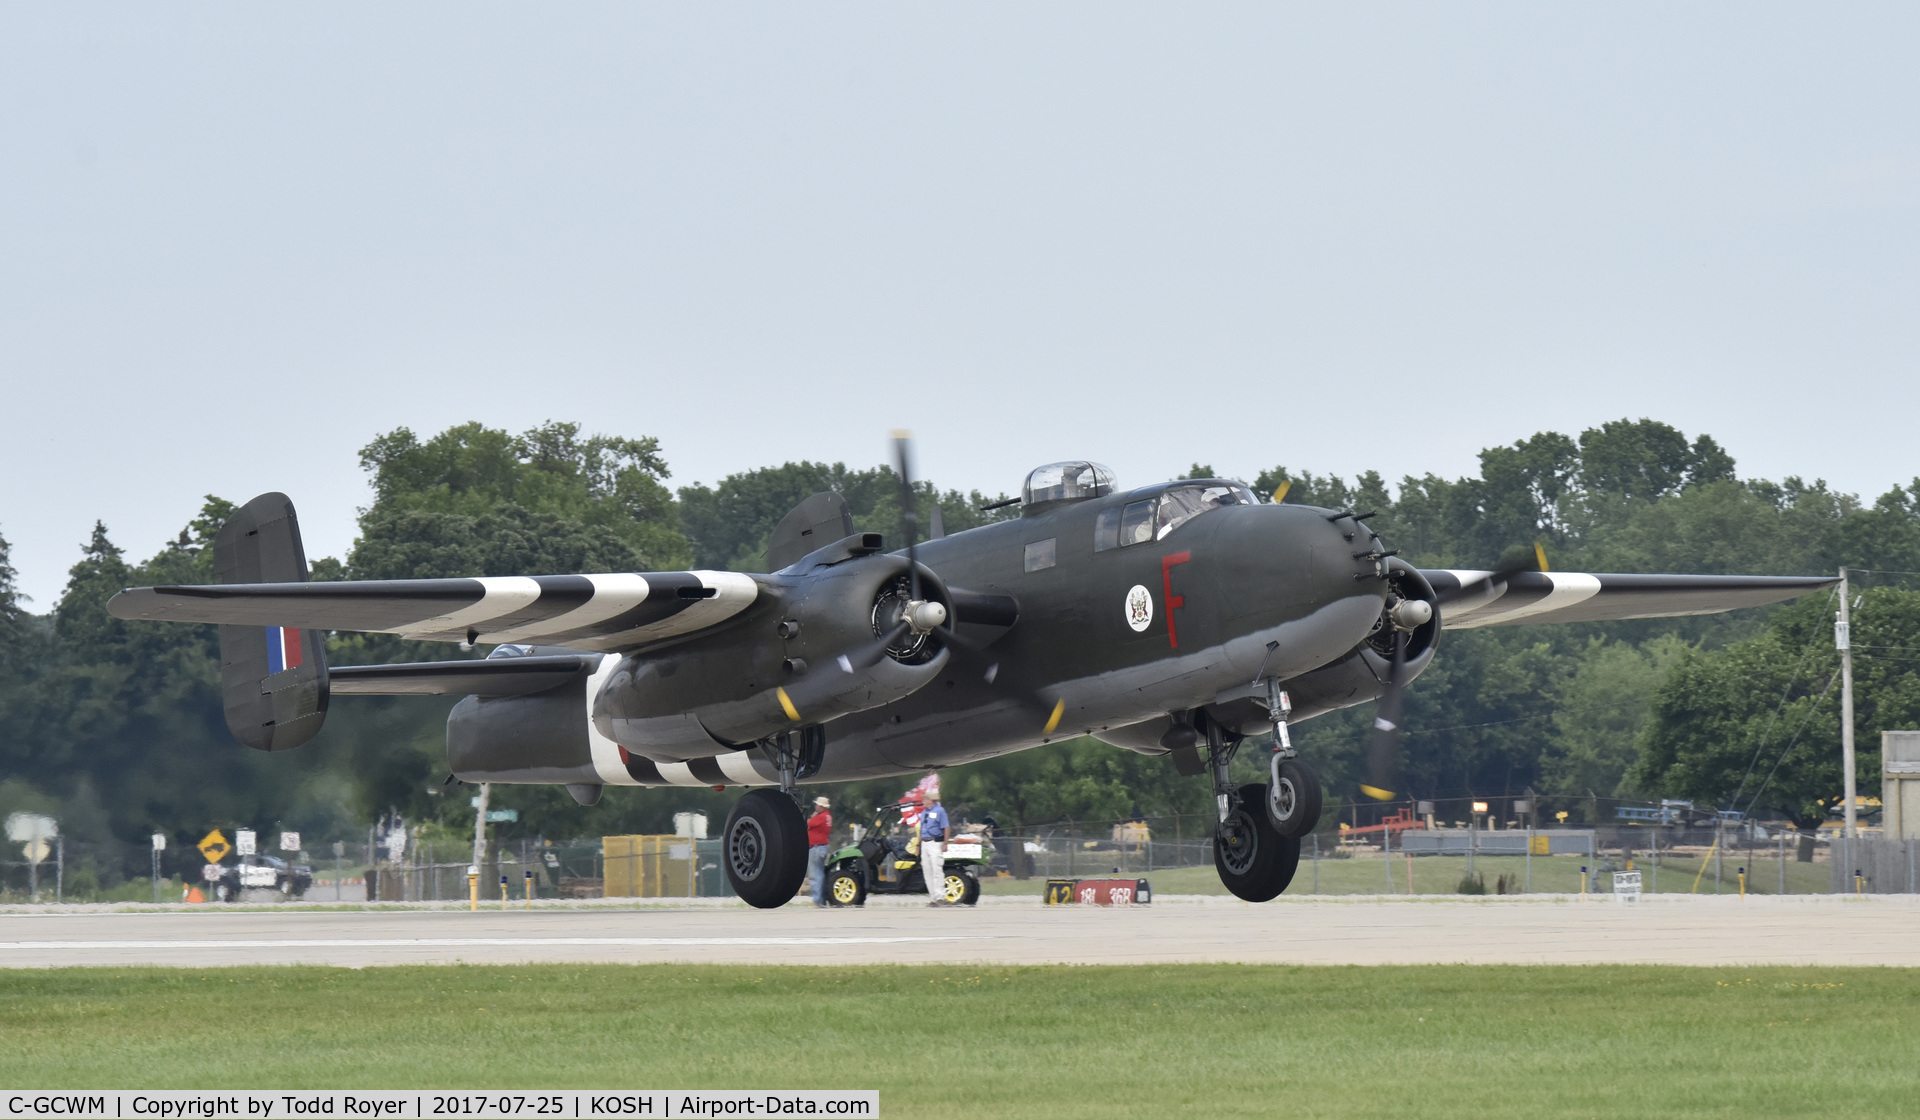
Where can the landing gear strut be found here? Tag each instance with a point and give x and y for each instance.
(1293, 790)
(1254, 861)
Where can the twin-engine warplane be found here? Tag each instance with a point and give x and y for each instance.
(1186, 619)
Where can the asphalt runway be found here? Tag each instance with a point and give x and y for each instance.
(1824, 930)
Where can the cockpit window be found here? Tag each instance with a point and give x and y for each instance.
(1066, 482)
(1182, 504)
(1153, 518)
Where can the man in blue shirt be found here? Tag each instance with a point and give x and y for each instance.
(933, 841)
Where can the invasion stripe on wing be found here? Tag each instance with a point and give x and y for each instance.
(1565, 590)
(611, 595)
(500, 595)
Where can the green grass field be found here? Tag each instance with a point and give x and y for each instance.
(1209, 1040)
(1441, 875)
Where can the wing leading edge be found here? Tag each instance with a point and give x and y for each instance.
(587, 612)
(1530, 598)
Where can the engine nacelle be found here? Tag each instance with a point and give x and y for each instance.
(1362, 675)
(540, 738)
(811, 655)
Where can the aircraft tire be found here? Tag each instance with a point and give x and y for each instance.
(764, 848)
(1255, 862)
(1293, 802)
(846, 886)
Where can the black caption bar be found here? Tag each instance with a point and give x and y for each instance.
(439, 1104)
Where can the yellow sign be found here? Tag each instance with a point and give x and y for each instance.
(214, 846)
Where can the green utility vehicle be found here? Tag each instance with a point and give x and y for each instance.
(883, 863)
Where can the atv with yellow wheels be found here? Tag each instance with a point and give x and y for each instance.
(884, 864)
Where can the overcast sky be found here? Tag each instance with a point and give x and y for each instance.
(237, 241)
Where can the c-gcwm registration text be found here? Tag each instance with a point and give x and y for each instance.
(398, 1104)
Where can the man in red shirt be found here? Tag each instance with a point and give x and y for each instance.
(819, 828)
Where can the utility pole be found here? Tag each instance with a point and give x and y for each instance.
(1843, 641)
(480, 825)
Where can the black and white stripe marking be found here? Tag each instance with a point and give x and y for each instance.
(1542, 597)
(609, 611)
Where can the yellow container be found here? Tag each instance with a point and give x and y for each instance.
(648, 866)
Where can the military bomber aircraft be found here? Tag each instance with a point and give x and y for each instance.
(1186, 619)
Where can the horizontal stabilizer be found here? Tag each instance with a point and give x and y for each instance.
(505, 676)
(1531, 598)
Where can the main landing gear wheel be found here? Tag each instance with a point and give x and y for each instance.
(1255, 862)
(765, 848)
(845, 887)
(1293, 798)
(961, 889)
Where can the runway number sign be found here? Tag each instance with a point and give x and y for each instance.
(214, 846)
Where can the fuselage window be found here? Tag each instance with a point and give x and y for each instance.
(1040, 555)
(1106, 530)
(1136, 522)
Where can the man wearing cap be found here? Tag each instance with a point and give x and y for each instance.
(933, 842)
(819, 828)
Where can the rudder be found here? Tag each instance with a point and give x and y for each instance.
(273, 679)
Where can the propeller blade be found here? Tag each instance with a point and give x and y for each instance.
(1535, 563)
(1383, 745)
(964, 651)
(909, 516)
(1280, 491)
(853, 661)
(1053, 721)
(958, 648)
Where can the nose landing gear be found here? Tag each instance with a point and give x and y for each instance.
(1293, 790)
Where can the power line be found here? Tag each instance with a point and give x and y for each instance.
(1811, 710)
(1777, 709)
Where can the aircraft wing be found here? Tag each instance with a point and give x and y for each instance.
(588, 612)
(1527, 598)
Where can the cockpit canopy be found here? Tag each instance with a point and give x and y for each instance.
(1066, 482)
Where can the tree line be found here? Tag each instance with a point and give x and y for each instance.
(116, 728)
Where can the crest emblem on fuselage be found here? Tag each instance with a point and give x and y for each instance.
(1139, 608)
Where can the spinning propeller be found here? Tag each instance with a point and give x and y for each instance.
(959, 648)
(1406, 616)
(918, 618)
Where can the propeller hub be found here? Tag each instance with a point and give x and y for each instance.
(1411, 614)
(924, 616)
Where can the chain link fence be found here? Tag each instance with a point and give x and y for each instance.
(1174, 852)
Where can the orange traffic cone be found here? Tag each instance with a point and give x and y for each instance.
(194, 895)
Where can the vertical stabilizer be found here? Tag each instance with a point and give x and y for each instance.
(814, 523)
(272, 678)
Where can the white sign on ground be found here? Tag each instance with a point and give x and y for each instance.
(32, 831)
(1626, 886)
